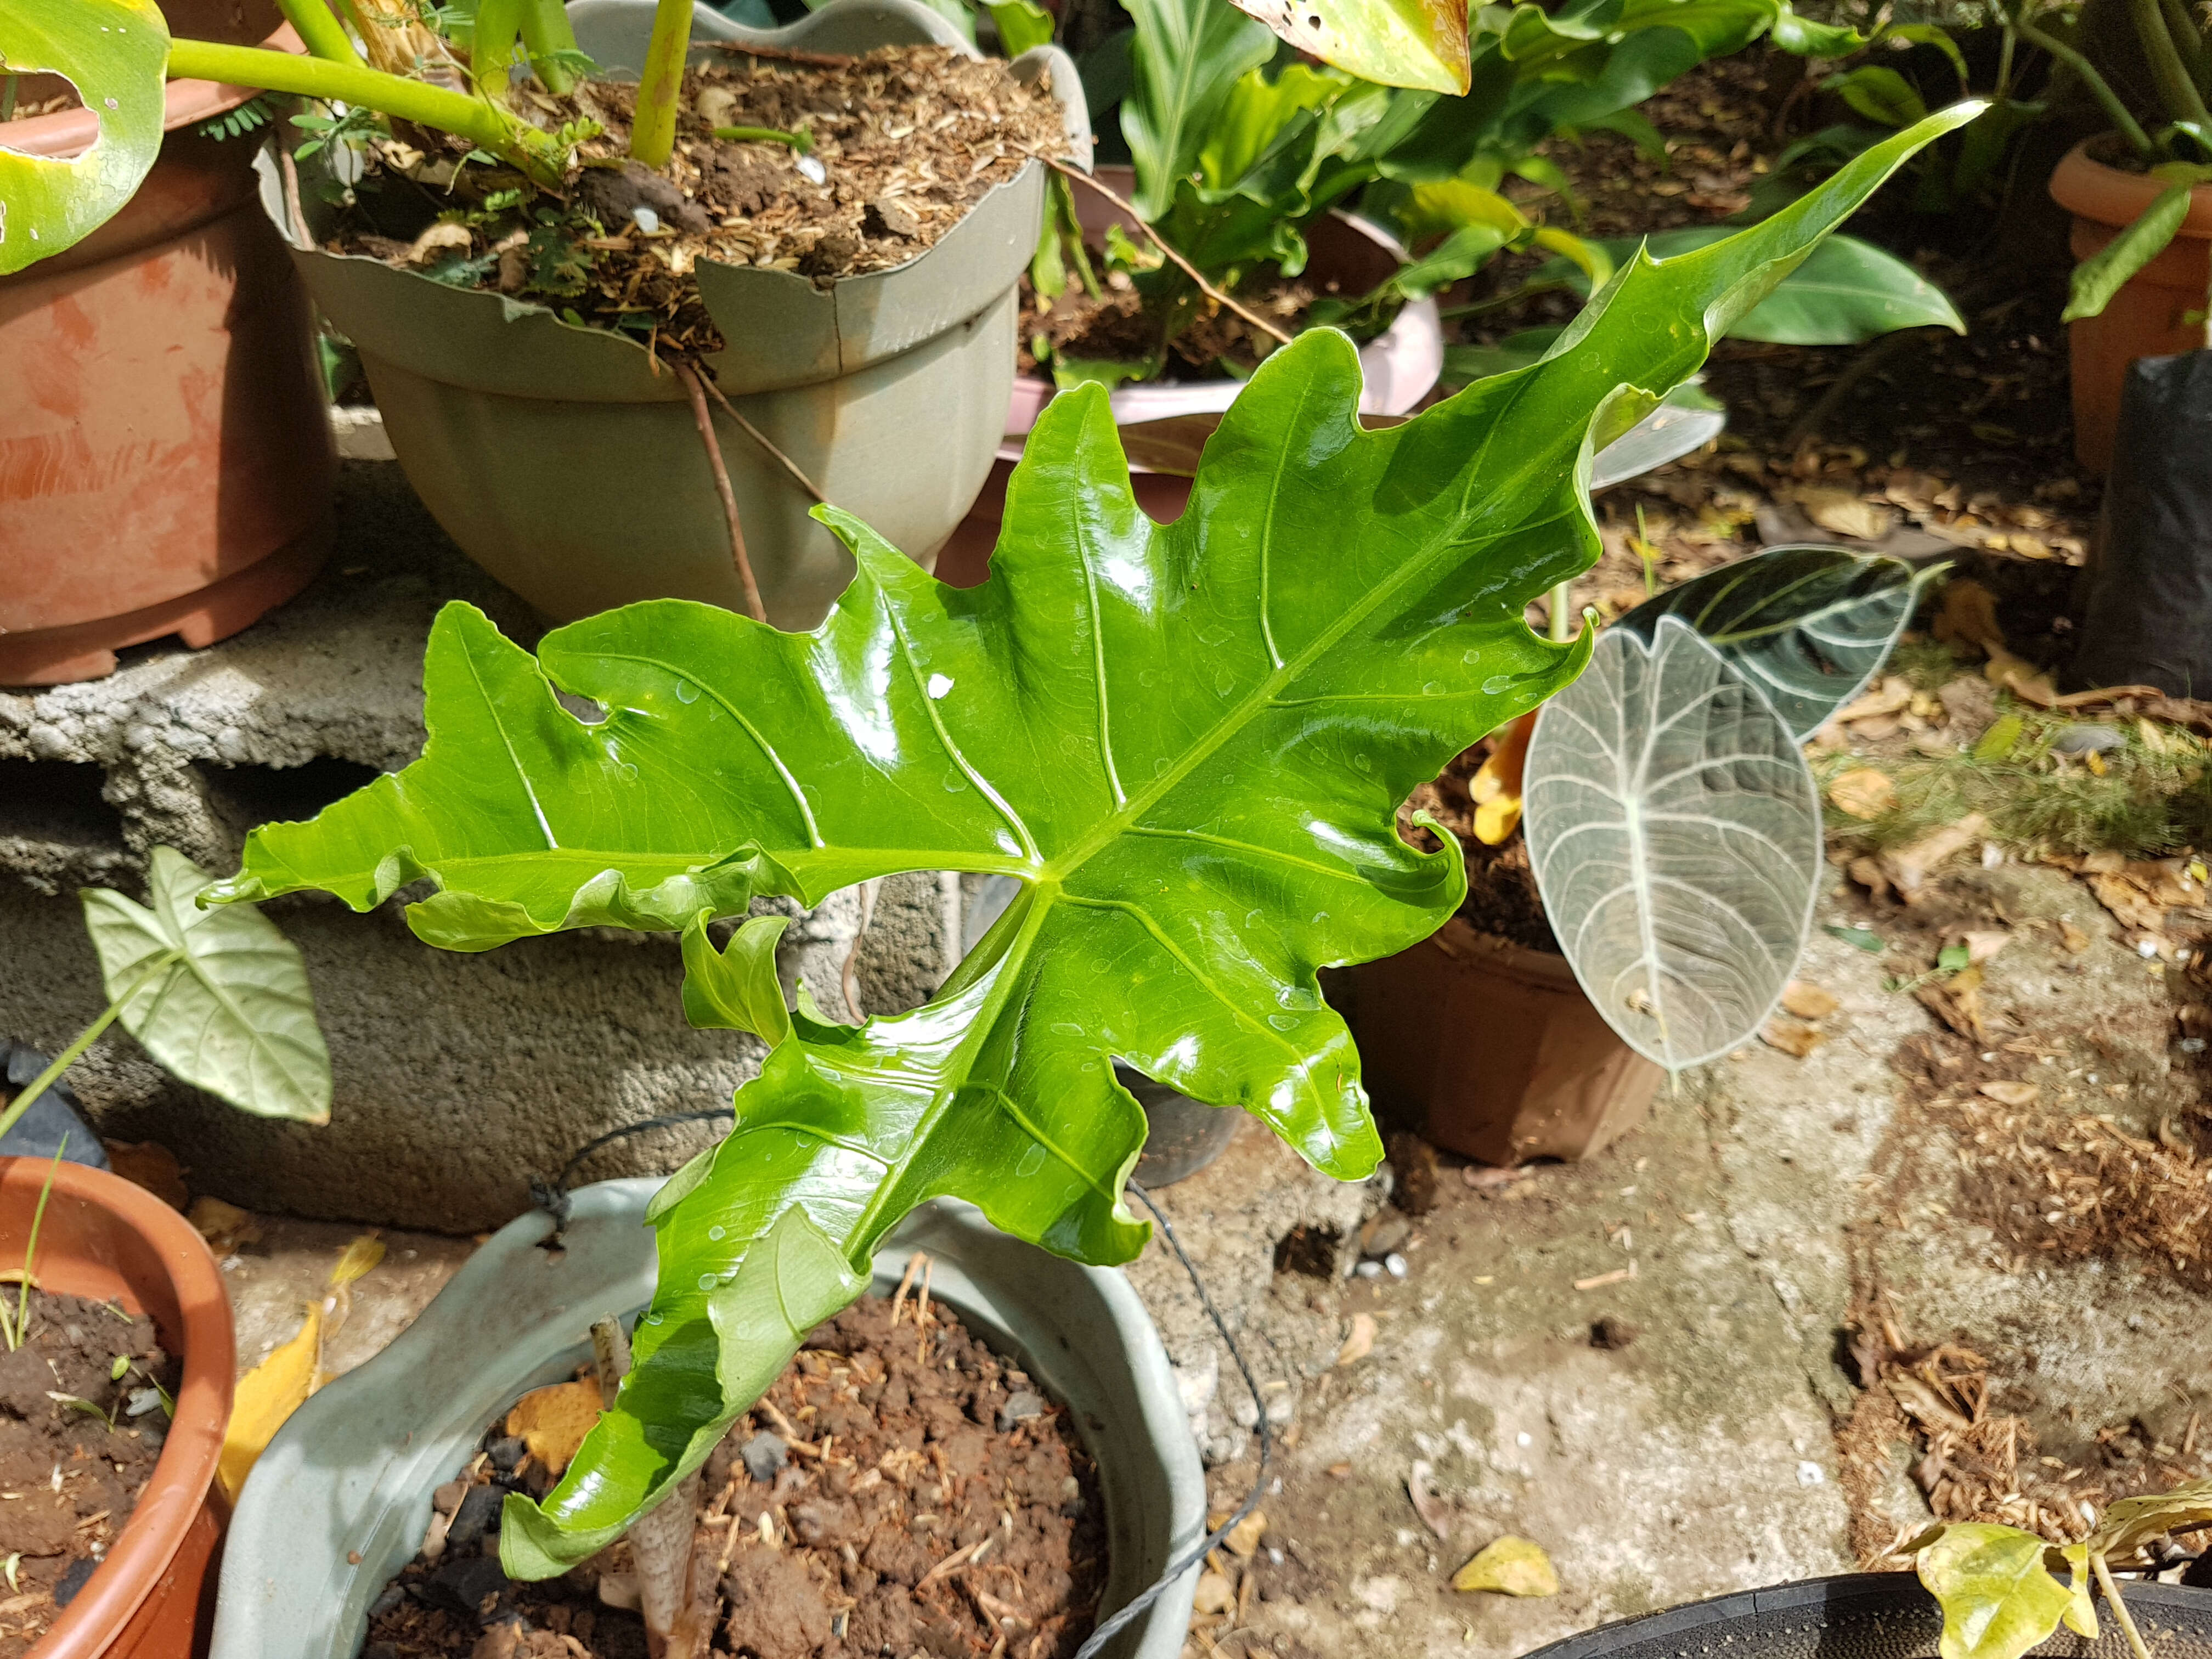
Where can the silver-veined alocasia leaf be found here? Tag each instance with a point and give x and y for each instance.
(1998, 1598)
(218, 996)
(113, 52)
(1674, 830)
(1397, 43)
(1807, 624)
(1188, 742)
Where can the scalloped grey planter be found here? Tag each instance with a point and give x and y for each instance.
(567, 468)
(353, 1469)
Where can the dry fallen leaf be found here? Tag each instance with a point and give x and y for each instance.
(1792, 1036)
(1214, 1594)
(1510, 1566)
(1982, 944)
(1361, 1341)
(2072, 937)
(1339, 1471)
(1845, 514)
(1957, 1003)
(2008, 1093)
(440, 236)
(2020, 677)
(1892, 695)
(225, 1226)
(553, 1421)
(1244, 1537)
(1808, 1000)
(266, 1396)
(1435, 1516)
(1864, 791)
(1908, 868)
(149, 1164)
(1968, 616)
(2128, 902)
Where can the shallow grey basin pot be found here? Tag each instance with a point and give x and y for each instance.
(354, 1468)
(563, 464)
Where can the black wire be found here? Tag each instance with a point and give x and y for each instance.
(1114, 1626)
(552, 1197)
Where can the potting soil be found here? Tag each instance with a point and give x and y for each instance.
(903, 143)
(77, 1444)
(900, 1490)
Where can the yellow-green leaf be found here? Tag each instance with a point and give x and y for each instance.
(1510, 1567)
(1398, 43)
(2134, 1521)
(1998, 1600)
(113, 52)
(2082, 1608)
(1447, 204)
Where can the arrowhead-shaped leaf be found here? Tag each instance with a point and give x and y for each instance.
(1998, 1599)
(219, 997)
(2134, 1521)
(1675, 834)
(1188, 742)
(1808, 625)
(113, 52)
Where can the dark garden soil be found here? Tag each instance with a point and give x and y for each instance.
(900, 1489)
(68, 1480)
(905, 142)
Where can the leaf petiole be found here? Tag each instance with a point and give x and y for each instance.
(800, 139)
(2119, 1607)
(69, 1056)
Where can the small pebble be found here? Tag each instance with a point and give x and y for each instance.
(2192, 1045)
(763, 1455)
(478, 1515)
(644, 218)
(392, 1596)
(1369, 1270)
(1394, 1264)
(1810, 1475)
(507, 1453)
(2086, 739)
(813, 169)
(1019, 1408)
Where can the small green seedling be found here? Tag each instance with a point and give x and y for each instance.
(13, 1333)
(120, 1369)
(801, 139)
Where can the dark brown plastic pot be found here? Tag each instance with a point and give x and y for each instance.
(153, 1596)
(165, 457)
(1498, 1047)
(2146, 318)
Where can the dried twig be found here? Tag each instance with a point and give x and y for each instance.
(1188, 269)
(762, 439)
(783, 54)
(704, 419)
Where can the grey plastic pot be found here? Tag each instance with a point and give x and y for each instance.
(338, 1502)
(566, 466)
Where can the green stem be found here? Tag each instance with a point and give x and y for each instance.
(2119, 1608)
(31, 1250)
(1072, 238)
(7, 97)
(484, 125)
(319, 30)
(546, 32)
(1561, 601)
(653, 129)
(2189, 42)
(2099, 88)
(68, 1057)
(801, 140)
(491, 48)
(2004, 63)
(2176, 90)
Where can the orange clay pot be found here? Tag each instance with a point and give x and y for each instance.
(2144, 318)
(153, 1596)
(165, 456)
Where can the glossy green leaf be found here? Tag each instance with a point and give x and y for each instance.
(1809, 39)
(218, 996)
(1808, 625)
(1675, 834)
(1998, 1599)
(1022, 24)
(1184, 63)
(113, 52)
(1929, 34)
(1257, 116)
(1394, 43)
(1880, 94)
(1188, 742)
(2103, 274)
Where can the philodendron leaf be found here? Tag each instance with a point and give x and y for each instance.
(1187, 742)
(2134, 1521)
(1808, 625)
(1184, 61)
(1398, 43)
(1998, 1599)
(113, 52)
(219, 997)
(2104, 273)
(1676, 833)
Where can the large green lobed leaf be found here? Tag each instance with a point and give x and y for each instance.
(113, 52)
(1188, 742)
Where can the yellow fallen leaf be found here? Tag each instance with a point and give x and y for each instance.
(267, 1395)
(1864, 791)
(1494, 820)
(1510, 1566)
(553, 1421)
(1792, 1036)
(1361, 1340)
(1808, 1000)
(359, 1257)
(225, 1226)
(1495, 788)
(1845, 514)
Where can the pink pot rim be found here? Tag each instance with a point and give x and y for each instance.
(69, 133)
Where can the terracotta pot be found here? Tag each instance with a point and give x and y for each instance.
(153, 1596)
(165, 461)
(1498, 1047)
(2144, 318)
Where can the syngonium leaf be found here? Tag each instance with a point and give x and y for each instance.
(219, 997)
(1998, 1598)
(113, 53)
(1675, 834)
(1808, 625)
(1188, 742)
(2134, 1521)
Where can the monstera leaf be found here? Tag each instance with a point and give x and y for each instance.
(1808, 625)
(1675, 834)
(1187, 743)
(113, 52)
(219, 997)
